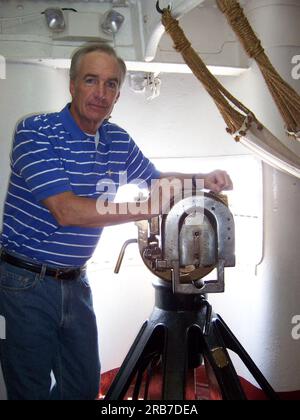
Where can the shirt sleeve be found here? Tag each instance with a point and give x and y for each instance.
(34, 159)
(139, 168)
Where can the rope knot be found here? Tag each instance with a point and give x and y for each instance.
(181, 43)
(240, 24)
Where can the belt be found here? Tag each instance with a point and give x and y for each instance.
(59, 273)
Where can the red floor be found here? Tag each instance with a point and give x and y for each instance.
(196, 389)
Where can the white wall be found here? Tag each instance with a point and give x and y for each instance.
(183, 121)
(27, 89)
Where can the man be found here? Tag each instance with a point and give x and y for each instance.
(52, 224)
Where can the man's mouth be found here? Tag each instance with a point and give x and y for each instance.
(97, 106)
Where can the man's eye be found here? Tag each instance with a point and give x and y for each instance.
(112, 85)
(90, 81)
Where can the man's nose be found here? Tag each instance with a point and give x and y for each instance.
(100, 91)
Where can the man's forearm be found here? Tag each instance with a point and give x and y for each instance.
(71, 210)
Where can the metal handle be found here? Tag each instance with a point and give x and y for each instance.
(122, 252)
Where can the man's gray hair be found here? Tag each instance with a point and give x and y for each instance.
(89, 48)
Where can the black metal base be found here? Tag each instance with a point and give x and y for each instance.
(182, 333)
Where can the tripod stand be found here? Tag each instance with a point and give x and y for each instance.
(180, 334)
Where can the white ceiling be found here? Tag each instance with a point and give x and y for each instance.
(24, 34)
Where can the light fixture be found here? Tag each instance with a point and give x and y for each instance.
(137, 81)
(112, 22)
(55, 19)
(148, 83)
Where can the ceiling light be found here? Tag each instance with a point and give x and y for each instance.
(55, 19)
(112, 22)
(138, 81)
(142, 82)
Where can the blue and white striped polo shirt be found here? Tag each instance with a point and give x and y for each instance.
(52, 155)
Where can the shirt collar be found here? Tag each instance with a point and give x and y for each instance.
(71, 126)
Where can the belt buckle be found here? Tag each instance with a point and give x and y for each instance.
(65, 273)
(58, 273)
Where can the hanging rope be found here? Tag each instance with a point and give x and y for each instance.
(285, 97)
(241, 122)
(234, 112)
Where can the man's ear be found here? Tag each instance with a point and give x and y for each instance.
(117, 98)
(72, 87)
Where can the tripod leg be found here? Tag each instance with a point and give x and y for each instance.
(233, 344)
(175, 363)
(216, 355)
(147, 341)
(150, 371)
(213, 386)
(138, 383)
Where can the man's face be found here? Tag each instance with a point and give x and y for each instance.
(95, 90)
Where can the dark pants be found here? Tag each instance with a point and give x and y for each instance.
(50, 325)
